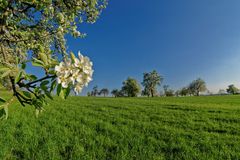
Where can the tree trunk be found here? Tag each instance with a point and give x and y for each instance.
(197, 93)
(152, 93)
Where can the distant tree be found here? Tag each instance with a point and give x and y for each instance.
(115, 92)
(209, 92)
(165, 88)
(184, 91)
(177, 93)
(170, 93)
(150, 82)
(145, 93)
(104, 92)
(94, 91)
(121, 93)
(131, 87)
(161, 93)
(167, 91)
(89, 94)
(232, 89)
(221, 92)
(197, 86)
(99, 93)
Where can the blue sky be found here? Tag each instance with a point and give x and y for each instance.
(182, 40)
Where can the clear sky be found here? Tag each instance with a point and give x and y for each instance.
(182, 40)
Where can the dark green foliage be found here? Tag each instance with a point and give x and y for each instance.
(104, 92)
(131, 88)
(117, 93)
(201, 128)
(89, 94)
(232, 89)
(2, 100)
(184, 91)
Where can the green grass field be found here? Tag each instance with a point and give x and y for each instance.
(125, 128)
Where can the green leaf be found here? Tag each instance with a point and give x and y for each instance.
(53, 85)
(59, 88)
(65, 93)
(2, 113)
(52, 72)
(23, 66)
(72, 56)
(27, 94)
(31, 77)
(4, 69)
(61, 95)
(17, 79)
(44, 58)
(68, 90)
(36, 90)
(37, 63)
(2, 100)
(48, 94)
(6, 112)
(44, 83)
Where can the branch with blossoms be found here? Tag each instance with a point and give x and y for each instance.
(73, 73)
(28, 86)
(40, 40)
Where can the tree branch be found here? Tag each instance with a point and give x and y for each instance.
(39, 80)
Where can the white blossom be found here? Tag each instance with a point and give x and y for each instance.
(78, 88)
(75, 72)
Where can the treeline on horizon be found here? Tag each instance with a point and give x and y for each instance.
(151, 81)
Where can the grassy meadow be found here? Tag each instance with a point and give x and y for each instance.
(200, 128)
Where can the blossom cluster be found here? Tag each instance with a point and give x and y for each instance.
(76, 72)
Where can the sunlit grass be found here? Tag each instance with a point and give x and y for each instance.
(125, 128)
